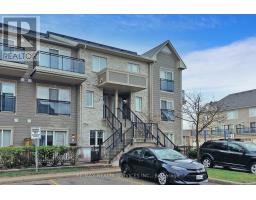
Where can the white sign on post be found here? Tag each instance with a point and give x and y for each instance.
(36, 135)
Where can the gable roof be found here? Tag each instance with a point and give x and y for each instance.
(154, 51)
(238, 100)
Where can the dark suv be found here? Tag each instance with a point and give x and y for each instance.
(231, 153)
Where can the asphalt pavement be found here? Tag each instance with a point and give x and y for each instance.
(103, 179)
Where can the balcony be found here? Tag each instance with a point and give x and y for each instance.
(12, 62)
(121, 80)
(58, 68)
(167, 85)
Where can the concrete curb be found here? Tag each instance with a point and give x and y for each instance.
(224, 182)
(85, 166)
(18, 179)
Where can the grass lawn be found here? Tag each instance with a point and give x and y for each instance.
(41, 171)
(231, 175)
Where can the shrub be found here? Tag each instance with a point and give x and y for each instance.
(24, 156)
(192, 153)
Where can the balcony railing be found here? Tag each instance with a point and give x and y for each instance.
(59, 62)
(167, 115)
(167, 85)
(7, 103)
(53, 107)
(238, 131)
(12, 53)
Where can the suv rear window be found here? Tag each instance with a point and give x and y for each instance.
(215, 145)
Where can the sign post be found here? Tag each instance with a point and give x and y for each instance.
(36, 136)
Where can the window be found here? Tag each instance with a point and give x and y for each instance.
(253, 127)
(147, 154)
(5, 137)
(96, 137)
(166, 81)
(138, 104)
(98, 63)
(167, 110)
(232, 115)
(89, 99)
(235, 148)
(134, 68)
(252, 112)
(53, 101)
(216, 145)
(54, 59)
(49, 138)
(7, 96)
(136, 152)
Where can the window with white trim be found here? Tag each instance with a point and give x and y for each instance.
(133, 68)
(89, 99)
(7, 96)
(252, 112)
(5, 137)
(167, 110)
(98, 63)
(51, 137)
(96, 137)
(138, 104)
(232, 115)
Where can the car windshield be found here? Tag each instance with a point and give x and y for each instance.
(168, 154)
(250, 146)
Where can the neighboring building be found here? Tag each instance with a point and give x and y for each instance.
(239, 110)
(66, 87)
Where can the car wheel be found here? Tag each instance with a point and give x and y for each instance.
(162, 178)
(253, 168)
(207, 162)
(126, 170)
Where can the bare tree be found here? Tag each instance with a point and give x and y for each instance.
(200, 114)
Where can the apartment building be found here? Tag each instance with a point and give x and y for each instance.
(240, 111)
(239, 121)
(76, 91)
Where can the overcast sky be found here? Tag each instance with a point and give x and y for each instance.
(219, 50)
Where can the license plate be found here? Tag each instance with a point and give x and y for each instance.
(199, 177)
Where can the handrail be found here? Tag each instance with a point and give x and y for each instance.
(146, 128)
(116, 126)
(165, 137)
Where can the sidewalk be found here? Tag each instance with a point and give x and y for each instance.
(89, 172)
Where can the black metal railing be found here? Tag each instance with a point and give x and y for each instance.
(146, 130)
(59, 62)
(167, 115)
(128, 114)
(166, 85)
(164, 140)
(115, 142)
(7, 103)
(53, 107)
(12, 53)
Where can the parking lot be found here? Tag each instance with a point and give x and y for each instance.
(105, 179)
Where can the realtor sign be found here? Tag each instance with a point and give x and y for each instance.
(35, 133)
